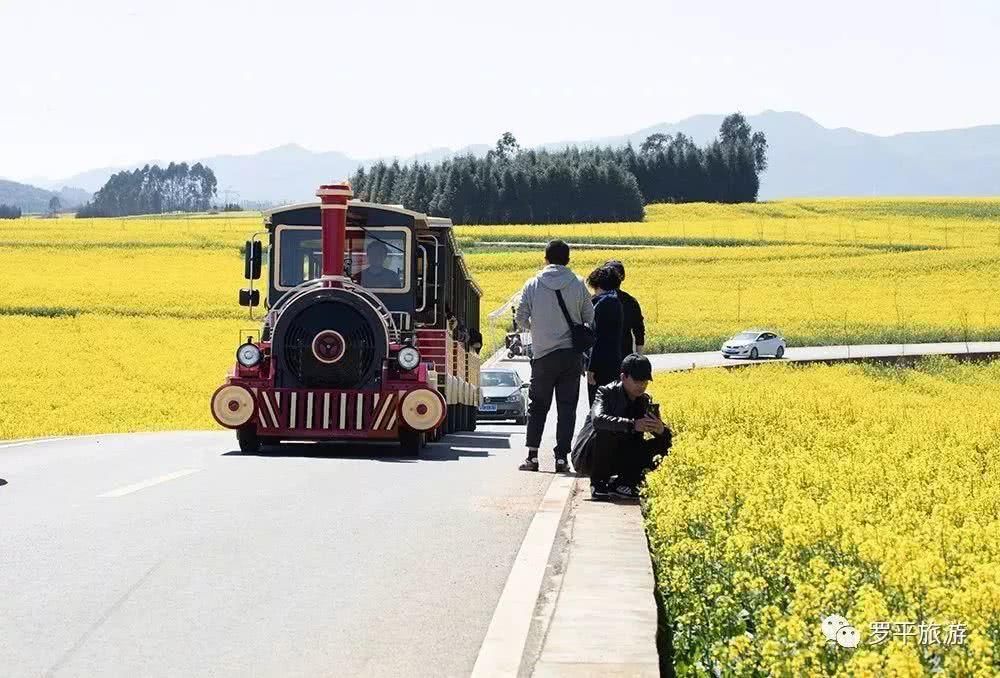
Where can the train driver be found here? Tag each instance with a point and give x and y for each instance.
(376, 275)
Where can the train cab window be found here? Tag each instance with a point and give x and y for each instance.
(378, 260)
(300, 257)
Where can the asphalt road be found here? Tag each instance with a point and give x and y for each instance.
(169, 554)
(682, 361)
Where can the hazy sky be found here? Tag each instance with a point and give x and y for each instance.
(109, 82)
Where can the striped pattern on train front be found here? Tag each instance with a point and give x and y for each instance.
(288, 409)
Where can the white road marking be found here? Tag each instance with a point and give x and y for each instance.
(135, 487)
(33, 441)
(500, 653)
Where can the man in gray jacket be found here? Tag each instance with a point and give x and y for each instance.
(555, 366)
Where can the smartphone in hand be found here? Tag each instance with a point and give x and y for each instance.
(653, 410)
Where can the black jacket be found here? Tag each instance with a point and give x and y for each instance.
(632, 323)
(605, 356)
(613, 412)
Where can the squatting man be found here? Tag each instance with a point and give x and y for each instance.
(621, 415)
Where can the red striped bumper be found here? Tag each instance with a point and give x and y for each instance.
(361, 414)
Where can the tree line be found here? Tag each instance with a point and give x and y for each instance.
(153, 190)
(10, 212)
(512, 185)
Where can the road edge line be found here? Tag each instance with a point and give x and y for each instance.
(503, 646)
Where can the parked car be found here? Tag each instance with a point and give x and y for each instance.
(505, 396)
(753, 344)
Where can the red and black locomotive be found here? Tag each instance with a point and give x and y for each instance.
(371, 330)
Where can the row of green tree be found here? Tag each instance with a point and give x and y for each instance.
(153, 190)
(511, 185)
(10, 212)
(529, 187)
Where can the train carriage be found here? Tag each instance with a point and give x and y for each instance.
(371, 329)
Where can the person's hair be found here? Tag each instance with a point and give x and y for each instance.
(605, 278)
(557, 252)
(377, 246)
(618, 266)
(634, 363)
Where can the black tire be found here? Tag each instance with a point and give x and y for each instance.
(409, 442)
(780, 353)
(510, 354)
(248, 440)
(753, 353)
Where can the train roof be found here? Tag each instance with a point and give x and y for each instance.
(439, 222)
(432, 222)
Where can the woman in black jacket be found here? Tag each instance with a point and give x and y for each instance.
(606, 355)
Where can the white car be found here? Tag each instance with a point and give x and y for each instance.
(753, 344)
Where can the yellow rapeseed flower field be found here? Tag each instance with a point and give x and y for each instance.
(793, 493)
(693, 298)
(113, 325)
(899, 222)
(179, 275)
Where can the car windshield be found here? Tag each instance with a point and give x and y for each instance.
(376, 259)
(498, 379)
(745, 336)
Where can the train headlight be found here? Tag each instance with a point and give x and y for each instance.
(248, 355)
(408, 357)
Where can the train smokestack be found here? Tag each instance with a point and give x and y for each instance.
(333, 217)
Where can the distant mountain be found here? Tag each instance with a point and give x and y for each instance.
(804, 159)
(286, 173)
(33, 199)
(807, 159)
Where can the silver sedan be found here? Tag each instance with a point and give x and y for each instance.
(753, 344)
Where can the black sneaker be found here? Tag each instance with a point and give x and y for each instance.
(529, 464)
(599, 491)
(562, 465)
(624, 491)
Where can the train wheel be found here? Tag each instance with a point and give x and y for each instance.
(409, 442)
(248, 440)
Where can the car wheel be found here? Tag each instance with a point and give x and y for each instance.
(753, 353)
(780, 352)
